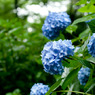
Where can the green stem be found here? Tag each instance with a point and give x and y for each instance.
(16, 5)
(73, 92)
(76, 39)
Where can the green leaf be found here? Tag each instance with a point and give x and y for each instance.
(82, 48)
(84, 34)
(14, 30)
(88, 8)
(83, 19)
(92, 81)
(71, 63)
(91, 59)
(92, 1)
(91, 87)
(54, 93)
(72, 28)
(81, 2)
(54, 86)
(77, 92)
(9, 93)
(92, 25)
(70, 78)
(84, 62)
(71, 89)
(16, 91)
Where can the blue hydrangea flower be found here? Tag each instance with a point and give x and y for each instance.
(53, 53)
(83, 75)
(91, 45)
(39, 89)
(54, 23)
(89, 20)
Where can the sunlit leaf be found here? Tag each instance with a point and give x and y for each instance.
(92, 25)
(89, 83)
(54, 86)
(87, 8)
(83, 19)
(91, 59)
(81, 2)
(69, 78)
(83, 62)
(84, 34)
(72, 28)
(83, 47)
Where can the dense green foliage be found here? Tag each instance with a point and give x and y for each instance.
(20, 50)
(20, 62)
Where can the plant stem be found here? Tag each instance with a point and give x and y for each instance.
(73, 92)
(16, 5)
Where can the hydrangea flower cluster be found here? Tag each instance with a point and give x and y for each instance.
(39, 89)
(53, 53)
(91, 45)
(54, 23)
(83, 75)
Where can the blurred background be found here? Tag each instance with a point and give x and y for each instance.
(21, 42)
